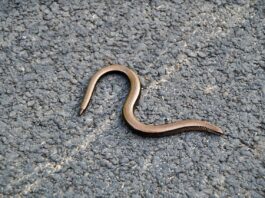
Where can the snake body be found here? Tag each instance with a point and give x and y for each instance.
(128, 108)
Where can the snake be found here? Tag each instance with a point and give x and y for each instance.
(129, 106)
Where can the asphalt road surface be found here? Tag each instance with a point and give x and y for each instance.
(197, 59)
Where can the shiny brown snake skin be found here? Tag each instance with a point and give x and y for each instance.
(128, 108)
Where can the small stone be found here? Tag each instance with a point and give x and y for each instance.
(31, 103)
(190, 53)
(74, 81)
(202, 54)
(124, 161)
(20, 28)
(161, 71)
(12, 114)
(55, 7)
(263, 91)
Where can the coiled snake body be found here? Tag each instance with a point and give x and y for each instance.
(128, 108)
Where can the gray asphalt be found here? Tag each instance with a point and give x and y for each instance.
(197, 59)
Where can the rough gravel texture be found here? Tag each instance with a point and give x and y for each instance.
(197, 59)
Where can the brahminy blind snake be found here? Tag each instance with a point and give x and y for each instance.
(128, 108)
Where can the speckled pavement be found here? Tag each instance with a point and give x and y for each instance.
(197, 60)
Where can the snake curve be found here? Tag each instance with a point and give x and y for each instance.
(128, 108)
